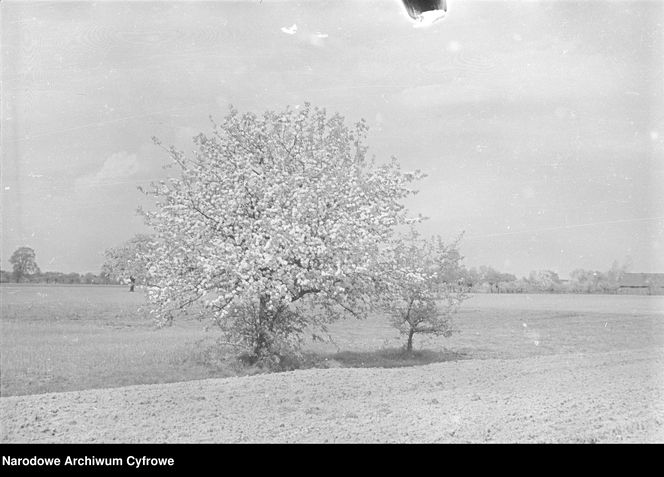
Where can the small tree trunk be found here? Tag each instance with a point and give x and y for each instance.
(409, 344)
(262, 341)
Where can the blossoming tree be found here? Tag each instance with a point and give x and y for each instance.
(274, 227)
(129, 259)
(423, 293)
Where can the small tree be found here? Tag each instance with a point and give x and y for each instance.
(129, 259)
(615, 275)
(469, 277)
(421, 298)
(544, 280)
(274, 214)
(24, 263)
(491, 276)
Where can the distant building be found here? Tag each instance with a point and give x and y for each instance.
(642, 284)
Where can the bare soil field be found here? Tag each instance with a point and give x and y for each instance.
(523, 368)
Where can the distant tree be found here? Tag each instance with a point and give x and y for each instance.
(72, 278)
(489, 275)
(129, 259)
(5, 276)
(585, 281)
(579, 275)
(506, 282)
(494, 278)
(488, 279)
(594, 281)
(36, 277)
(473, 277)
(468, 278)
(53, 277)
(514, 286)
(507, 277)
(616, 273)
(544, 280)
(453, 275)
(24, 263)
(273, 211)
(420, 298)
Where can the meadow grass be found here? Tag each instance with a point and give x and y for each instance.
(56, 338)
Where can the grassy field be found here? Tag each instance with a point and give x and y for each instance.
(63, 338)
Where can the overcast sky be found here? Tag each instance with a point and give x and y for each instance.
(540, 124)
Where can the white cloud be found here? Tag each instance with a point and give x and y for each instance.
(290, 30)
(117, 168)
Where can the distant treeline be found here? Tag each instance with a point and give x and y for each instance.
(488, 280)
(475, 280)
(60, 278)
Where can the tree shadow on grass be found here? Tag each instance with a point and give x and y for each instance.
(388, 358)
(221, 361)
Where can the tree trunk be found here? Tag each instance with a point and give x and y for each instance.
(409, 345)
(262, 344)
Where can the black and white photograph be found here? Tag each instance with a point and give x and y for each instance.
(330, 222)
